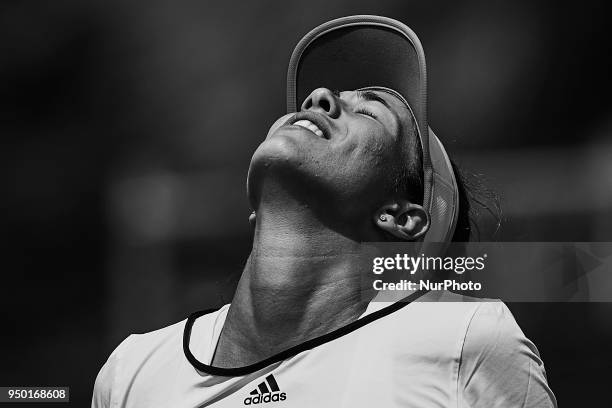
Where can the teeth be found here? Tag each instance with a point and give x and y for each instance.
(306, 124)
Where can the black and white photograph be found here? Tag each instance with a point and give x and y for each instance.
(306, 204)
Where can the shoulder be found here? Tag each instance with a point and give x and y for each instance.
(140, 355)
(448, 311)
(441, 315)
(106, 379)
(499, 366)
(494, 334)
(124, 360)
(441, 319)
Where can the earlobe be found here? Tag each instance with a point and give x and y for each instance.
(403, 220)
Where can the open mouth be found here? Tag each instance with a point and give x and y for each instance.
(312, 122)
(306, 124)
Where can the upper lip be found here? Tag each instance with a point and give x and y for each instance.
(317, 118)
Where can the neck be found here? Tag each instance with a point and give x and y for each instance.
(302, 280)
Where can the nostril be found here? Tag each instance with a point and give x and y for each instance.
(324, 104)
(322, 100)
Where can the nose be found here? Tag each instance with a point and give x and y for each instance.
(324, 101)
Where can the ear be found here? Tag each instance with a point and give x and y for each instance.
(402, 219)
(252, 219)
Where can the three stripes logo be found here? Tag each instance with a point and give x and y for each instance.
(267, 391)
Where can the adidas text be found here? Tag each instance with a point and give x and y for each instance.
(264, 398)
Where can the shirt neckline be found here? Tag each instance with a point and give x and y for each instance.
(292, 351)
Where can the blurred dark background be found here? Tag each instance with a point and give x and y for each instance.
(128, 128)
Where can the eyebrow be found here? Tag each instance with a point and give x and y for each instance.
(372, 96)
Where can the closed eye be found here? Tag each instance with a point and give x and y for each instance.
(366, 112)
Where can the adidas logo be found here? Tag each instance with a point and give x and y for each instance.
(265, 392)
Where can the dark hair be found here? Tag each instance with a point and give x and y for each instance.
(408, 181)
(463, 228)
(475, 199)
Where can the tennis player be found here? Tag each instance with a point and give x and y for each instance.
(342, 168)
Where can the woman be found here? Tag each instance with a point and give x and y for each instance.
(348, 168)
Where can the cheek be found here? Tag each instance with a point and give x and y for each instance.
(371, 152)
(368, 166)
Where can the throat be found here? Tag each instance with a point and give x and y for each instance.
(247, 341)
(303, 279)
(271, 314)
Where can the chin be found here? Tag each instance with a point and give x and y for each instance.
(277, 158)
(281, 163)
(277, 151)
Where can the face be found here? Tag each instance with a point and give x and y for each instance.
(341, 150)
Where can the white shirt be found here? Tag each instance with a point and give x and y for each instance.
(442, 350)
